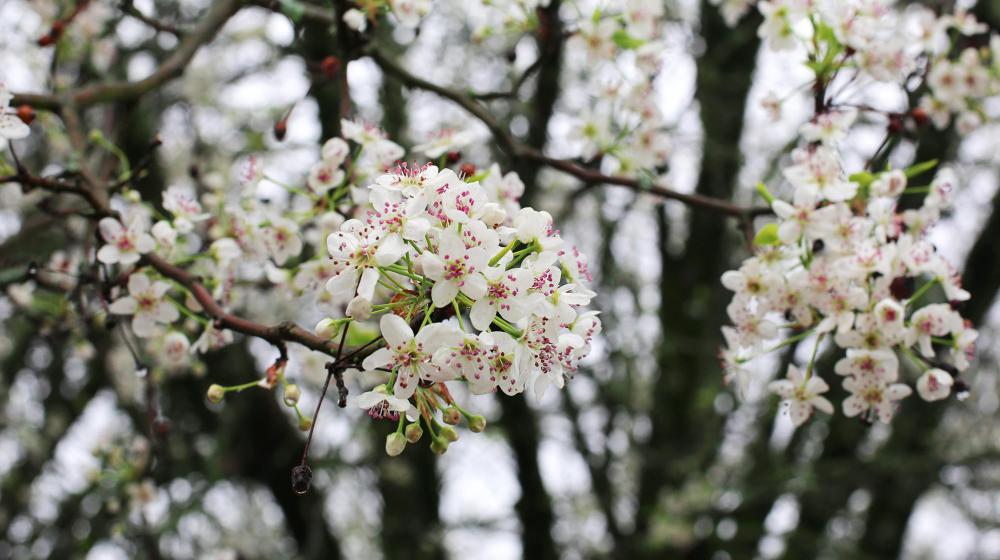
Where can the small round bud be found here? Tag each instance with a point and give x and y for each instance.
(327, 328)
(452, 415)
(26, 113)
(453, 156)
(301, 479)
(895, 125)
(449, 434)
(359, 308)
(439, 445)
(292, 394)
(413, 433)
(132, 195)
(305, 423)
(395, 443)
(477, 423)
(330, 66)
(920, 117)
(216, 393)
(280, 129)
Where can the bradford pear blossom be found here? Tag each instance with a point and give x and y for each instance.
(356, 19)
(358, 249)
(185, 208)
(11, 126)
(469, 359)
(935, 320)
(414, 180)
(801, 395)
(455, 268)
(147, 303)
(444, 141)
(506, 294)
(176, 347)
(934, 385)
(324, 176)
(409, 355)
(282, 239)
(882, 364)
(410, 12)
(125, 245)
(818, 170)
(380, 404)
(874, 396)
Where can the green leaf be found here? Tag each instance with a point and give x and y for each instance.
(768, 235)
(918, 168)
(626, 41)
(293, 9)
(862, 178)
(762, 190)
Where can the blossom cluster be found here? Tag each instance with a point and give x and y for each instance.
(464, 284)
(847, 263)
(848, 260)
(890, 45)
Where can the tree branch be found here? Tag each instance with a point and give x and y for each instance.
(516, 149)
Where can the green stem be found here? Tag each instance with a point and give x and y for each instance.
(921, 291)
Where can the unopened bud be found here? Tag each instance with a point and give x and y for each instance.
(449, 433)
(359, 308)
(452, 415)
(330, 66)
(305, 423)
(26, 113)
(895, 124)
(280, 129)
(919, 116)
(439, 445)
(477, 423)
(132, 196)
(327, 328)
(413, 433)
(292, 394)
(216, 393)
(395, 443)
(453, 157)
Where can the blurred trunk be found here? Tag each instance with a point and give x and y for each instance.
(318, 43)
(685, 427)
(550, 50)
(534, 507)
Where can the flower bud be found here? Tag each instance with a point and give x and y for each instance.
(439, 446)
(477, 423)
(292, 394)
(360, 308)
(395, 443)
(413, 433)
(449, 433)
(281, 129)
(452, 415)
(26, 113)
(327, 328)
(330, 66)
(305, 423)
(216, 393)
(132, 195)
